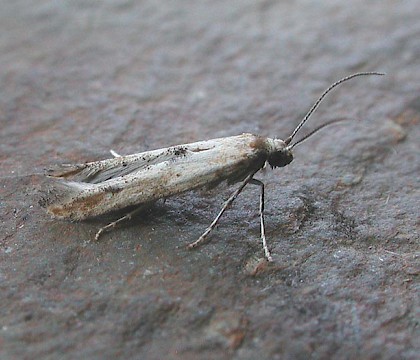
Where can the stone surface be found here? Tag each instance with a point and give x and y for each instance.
(79, 78)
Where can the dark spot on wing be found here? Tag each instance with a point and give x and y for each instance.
(179, 150)
(112, 189)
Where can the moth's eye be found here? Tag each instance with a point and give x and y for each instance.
(280, 158)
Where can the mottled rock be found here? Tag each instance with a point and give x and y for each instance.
(80, 78)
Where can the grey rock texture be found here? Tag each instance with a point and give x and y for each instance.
(79, 78)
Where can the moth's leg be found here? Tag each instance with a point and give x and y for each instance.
(219, 215)
(120, 220)
(114, 153)
(264, 241)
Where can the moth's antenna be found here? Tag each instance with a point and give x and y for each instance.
(315, 106)
(328, 123)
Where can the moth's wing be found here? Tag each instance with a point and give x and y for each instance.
(96, 188)
(80, 190)
(99, 171)
(76, 189)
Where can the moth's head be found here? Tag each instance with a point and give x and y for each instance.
(280, 158)
(281, 154)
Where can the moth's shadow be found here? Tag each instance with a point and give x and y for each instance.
(158, 212)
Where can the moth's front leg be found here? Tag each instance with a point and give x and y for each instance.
(224, 208)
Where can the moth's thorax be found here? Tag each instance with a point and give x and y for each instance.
(274, 145)
(278, 153)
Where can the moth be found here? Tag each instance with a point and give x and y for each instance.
(83, 191)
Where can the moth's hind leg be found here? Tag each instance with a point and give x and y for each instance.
(126, 217)
(263, 239)
(114, 153)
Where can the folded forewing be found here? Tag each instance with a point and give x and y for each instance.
(146, 177)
